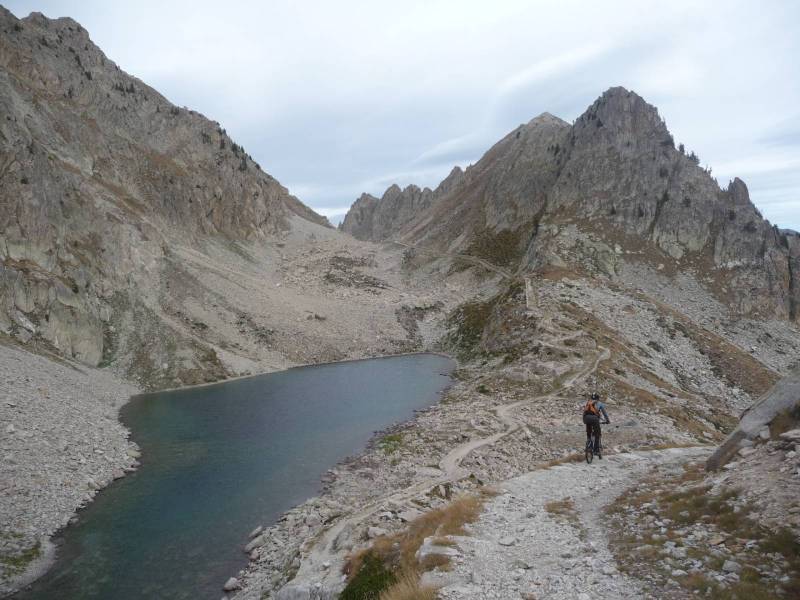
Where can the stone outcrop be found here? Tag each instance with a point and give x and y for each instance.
(624, 179)
(611, 187)
(782, 400)
(100, 178)
(377, 220)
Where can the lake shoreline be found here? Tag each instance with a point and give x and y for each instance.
(301, 366)
(43, 565)
(54, 472)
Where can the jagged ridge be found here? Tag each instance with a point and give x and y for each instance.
(554, 194)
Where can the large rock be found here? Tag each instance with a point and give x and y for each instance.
(782, 398)
(231, 585)
(430, 548)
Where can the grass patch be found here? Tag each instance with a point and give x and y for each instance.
(391, 443)
(17, 563)
(466, 324)
(371, 578)
(564, 511)
(783, 542)
(435, 561)
(561, 507)
(569, 458)
(741, 590)
(390, 565)
(501, 248)
(407, 587)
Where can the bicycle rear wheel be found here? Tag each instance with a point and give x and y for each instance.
(589, 451)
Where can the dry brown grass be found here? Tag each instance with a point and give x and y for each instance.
(564, 510)
(570, 458)
(408, 587)
(447, 520)
(392, 558)
(560, 507)
(689, 499)
(443, 541)
(399, 550)
(435, 561)
(784, 422)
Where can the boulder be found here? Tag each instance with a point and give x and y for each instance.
(783, 397)
(257, 541)
(731, 566)
(428, 548)
(507, 541)
(792, 435)
(374, 532)
(231, 585)
(409, 515)
(255, 532)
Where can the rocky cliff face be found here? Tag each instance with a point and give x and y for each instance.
(624, 183)
(609, 191)
(100, 178)
(376, 220)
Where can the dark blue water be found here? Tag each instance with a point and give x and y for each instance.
(219, 460)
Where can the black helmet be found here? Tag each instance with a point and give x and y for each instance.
(595, 396)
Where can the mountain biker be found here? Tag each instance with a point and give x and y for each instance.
(591, 417)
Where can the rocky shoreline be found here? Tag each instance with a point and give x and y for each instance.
(61, 443)
(503, 418)
(498, 420)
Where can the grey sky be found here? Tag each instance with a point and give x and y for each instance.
(339, 98)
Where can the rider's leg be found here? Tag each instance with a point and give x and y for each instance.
(597, 434)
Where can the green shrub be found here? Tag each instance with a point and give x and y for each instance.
(369, 581)
(500, 248)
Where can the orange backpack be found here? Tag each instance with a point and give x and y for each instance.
(591, 408)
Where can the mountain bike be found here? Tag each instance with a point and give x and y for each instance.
(590, 445)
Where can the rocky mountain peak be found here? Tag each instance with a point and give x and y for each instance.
(546, 118)
(625, 120)
(453, 179)
(365, 198)
(737, 190)
(614, 175)
(377, 220)
(392, 191)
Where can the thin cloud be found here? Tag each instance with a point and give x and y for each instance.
(549, 68)
(472, 144)
(334, 99)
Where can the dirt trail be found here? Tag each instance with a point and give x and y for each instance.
(545, 536)
(325, 550)
(451, 464)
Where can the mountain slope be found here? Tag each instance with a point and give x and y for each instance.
(612, 190)
(102, 180)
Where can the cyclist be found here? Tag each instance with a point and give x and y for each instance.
(591, 417)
